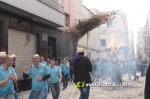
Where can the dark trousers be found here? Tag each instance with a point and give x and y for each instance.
(116, 76)
(71, 75)
(55, 90)
(48, 82)
(142, 71)
(65, 80)
(84, 92)
(133, 73)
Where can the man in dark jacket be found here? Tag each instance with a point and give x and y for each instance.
(144, 64)
(81, 68)
(147, 85)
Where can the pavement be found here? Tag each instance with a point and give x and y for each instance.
(71, 88)
(135, 91)
(26, 94)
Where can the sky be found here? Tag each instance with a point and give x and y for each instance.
(136, 10)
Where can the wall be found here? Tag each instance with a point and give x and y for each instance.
(115, 35)
(4, 23)
(93, 38)
(146, 36)
(61, 47)
(37, 8)
(70, 9)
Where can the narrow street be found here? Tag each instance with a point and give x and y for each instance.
(134, 91)
(67, 39)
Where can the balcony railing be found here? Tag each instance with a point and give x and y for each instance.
(53, 4)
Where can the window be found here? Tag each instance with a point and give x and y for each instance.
(109, 24)
(67, 19)
(103, 42)
(45, 36)
(147, 42)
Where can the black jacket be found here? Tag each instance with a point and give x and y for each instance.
(81, 69)
(147, 85)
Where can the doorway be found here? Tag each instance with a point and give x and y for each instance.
(52, 48)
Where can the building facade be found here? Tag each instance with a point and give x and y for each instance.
(90, 41)
(144, 39)
(131, 44)
(114, 37)
(140, 43)
(36, 22)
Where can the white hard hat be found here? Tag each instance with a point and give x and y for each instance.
(2, 54)
(12, 55)
(80, 50)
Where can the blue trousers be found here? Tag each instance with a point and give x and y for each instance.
(40, 94)
(55, 90)
(65, 80)
(84, 92)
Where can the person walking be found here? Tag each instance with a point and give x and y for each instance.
(116, 75)
(7, 77)
(132, 69)
(55, 79)
(98, 69)
(42, 60)
(48, 66)
(81, 68)
(40, 74)
(65, 73)
(144, 64)
(71, 71)
(1, 56)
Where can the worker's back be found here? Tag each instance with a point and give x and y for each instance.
(81, 68)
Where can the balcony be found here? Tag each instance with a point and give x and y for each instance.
(53, 4)
(49, 10)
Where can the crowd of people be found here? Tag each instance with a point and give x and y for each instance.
(109, 69)
(104, 68)
(47, 75)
